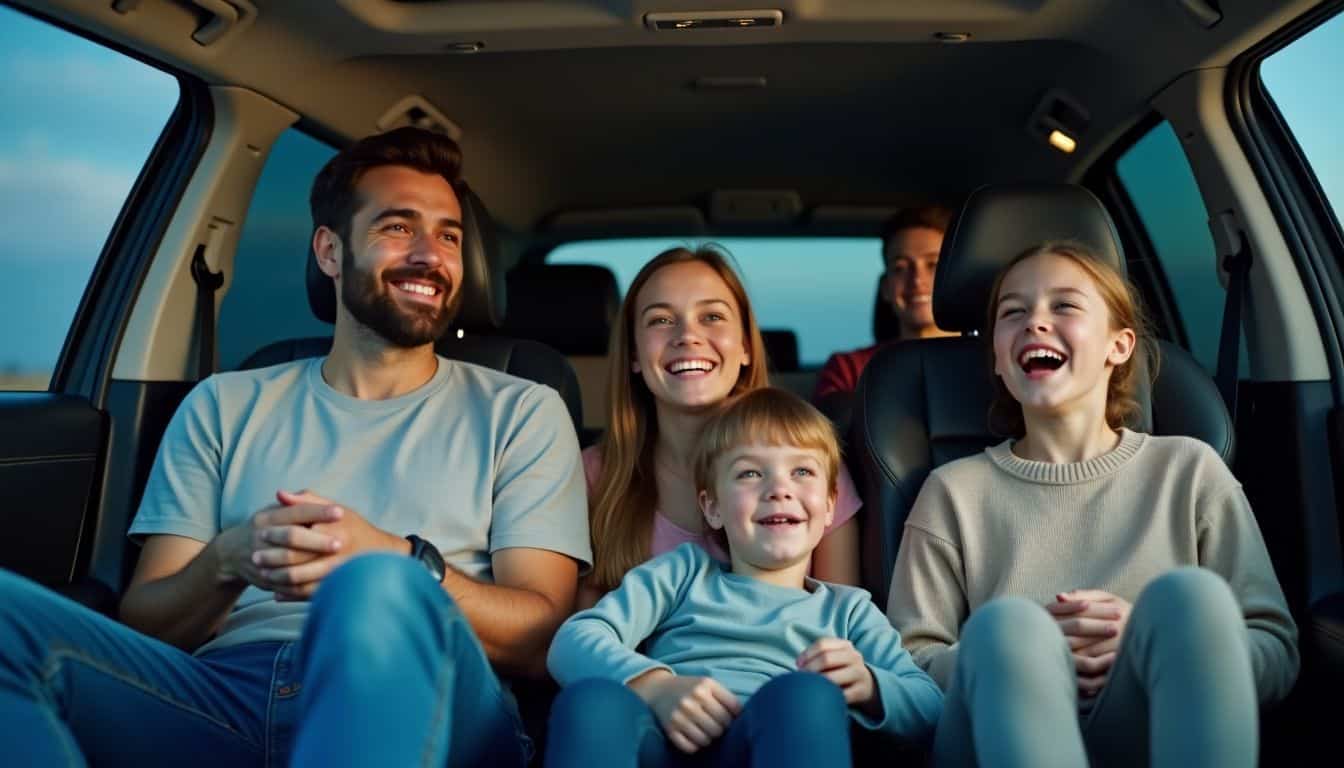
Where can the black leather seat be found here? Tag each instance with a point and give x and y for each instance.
(474, 336)
(923, 403)
(781, 350)
(567, 306)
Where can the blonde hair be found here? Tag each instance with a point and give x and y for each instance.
(620, 510)
(766, 416)
(1126, 311)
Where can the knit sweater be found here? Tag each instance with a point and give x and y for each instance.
(995, 524)
(687, 613)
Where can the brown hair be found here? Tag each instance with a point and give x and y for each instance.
(332, 199)
(766, 416)
(620, 509)
(935, 217)
(1126, 311)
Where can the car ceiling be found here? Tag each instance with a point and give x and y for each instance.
(576, 105)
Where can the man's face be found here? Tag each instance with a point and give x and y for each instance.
(912, 258)
(401, 269)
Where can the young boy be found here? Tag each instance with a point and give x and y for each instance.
(744, 663)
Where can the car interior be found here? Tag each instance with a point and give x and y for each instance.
(591, 121)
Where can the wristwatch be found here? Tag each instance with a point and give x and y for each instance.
(428, 555)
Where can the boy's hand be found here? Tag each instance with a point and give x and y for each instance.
(693, 711)
(1093, 622)
(838, 661)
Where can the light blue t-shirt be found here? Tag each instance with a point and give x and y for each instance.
(474, 461)
(692, 616)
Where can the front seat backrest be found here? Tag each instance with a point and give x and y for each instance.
(923, 403)
(472, 338)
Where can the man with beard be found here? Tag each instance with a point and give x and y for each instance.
(439, 533)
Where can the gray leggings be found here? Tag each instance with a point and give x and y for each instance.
(1181, 692)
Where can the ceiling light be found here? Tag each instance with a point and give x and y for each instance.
(951, 37)
(1062, 141)
(702, 20)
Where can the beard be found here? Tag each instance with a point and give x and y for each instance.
(369, 300)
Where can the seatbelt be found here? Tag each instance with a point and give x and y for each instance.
(1237, 263)
(207, 283)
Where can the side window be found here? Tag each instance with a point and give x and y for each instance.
(1302, 78)
(64, 177)
(822, 289)
(268, 298)
(1157, 177)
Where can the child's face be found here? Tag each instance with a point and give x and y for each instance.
(1054, 346)
(773, 503)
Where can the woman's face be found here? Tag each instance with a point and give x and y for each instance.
(1054, 346)
(689, 345)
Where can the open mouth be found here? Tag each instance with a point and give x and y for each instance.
(689, 369)
(1040, 359)
(419, 290)
(780, 521)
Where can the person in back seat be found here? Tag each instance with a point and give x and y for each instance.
(391, 661)
(1085, 591)
(747, 662)
(911, 241)
(685, 340)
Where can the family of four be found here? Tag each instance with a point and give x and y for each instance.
(345, 559)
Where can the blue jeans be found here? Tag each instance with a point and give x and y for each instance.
(798, 719)
(1180, 693)
(387, 672)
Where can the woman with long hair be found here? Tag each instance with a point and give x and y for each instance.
(685, 341)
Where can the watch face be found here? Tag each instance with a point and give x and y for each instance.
(429, 556)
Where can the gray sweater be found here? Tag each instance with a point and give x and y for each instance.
(995, 524)
(691, 616)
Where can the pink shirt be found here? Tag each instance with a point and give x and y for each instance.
(667, 535)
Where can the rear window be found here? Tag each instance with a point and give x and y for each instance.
(822, 289)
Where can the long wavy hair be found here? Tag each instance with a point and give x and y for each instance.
(1126, 311)
(620, 510)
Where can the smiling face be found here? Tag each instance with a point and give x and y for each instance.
(1054, 347)
(688, 332)
(772, 502)
(912, 258)
(400, 272)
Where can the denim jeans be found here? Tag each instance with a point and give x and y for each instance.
(798, 719)
(386, 672)
(1180, 693)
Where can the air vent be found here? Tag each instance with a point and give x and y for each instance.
(693, 20)
(417, 111)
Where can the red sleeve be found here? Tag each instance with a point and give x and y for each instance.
(839, 374)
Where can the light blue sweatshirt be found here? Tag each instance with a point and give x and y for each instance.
(691, 616)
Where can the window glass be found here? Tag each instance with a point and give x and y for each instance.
(1158, 179)
(822, 289)
(79, 123)
(1302, 78)
(268, 299)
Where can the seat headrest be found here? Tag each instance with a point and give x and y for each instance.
(781, 349)
(997, 223)
(483, 294)
(568, 306)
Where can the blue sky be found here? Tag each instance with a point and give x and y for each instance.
(80, 121)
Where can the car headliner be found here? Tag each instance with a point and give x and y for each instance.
(576, 105)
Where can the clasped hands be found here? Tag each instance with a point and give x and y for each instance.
(1093, 622)
(290, 548)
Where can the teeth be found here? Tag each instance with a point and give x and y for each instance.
(690, 365)
(1037, 353)
(423, 290)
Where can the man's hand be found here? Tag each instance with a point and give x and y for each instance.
(1093, 622)
(838, 661)
(294, 576)
(279, 535)
(693, 711)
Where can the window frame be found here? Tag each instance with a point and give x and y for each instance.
(1305, 218)
(84, 365)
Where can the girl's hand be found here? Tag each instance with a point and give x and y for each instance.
(838, 661)
(1093, 622)
(693, 711)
